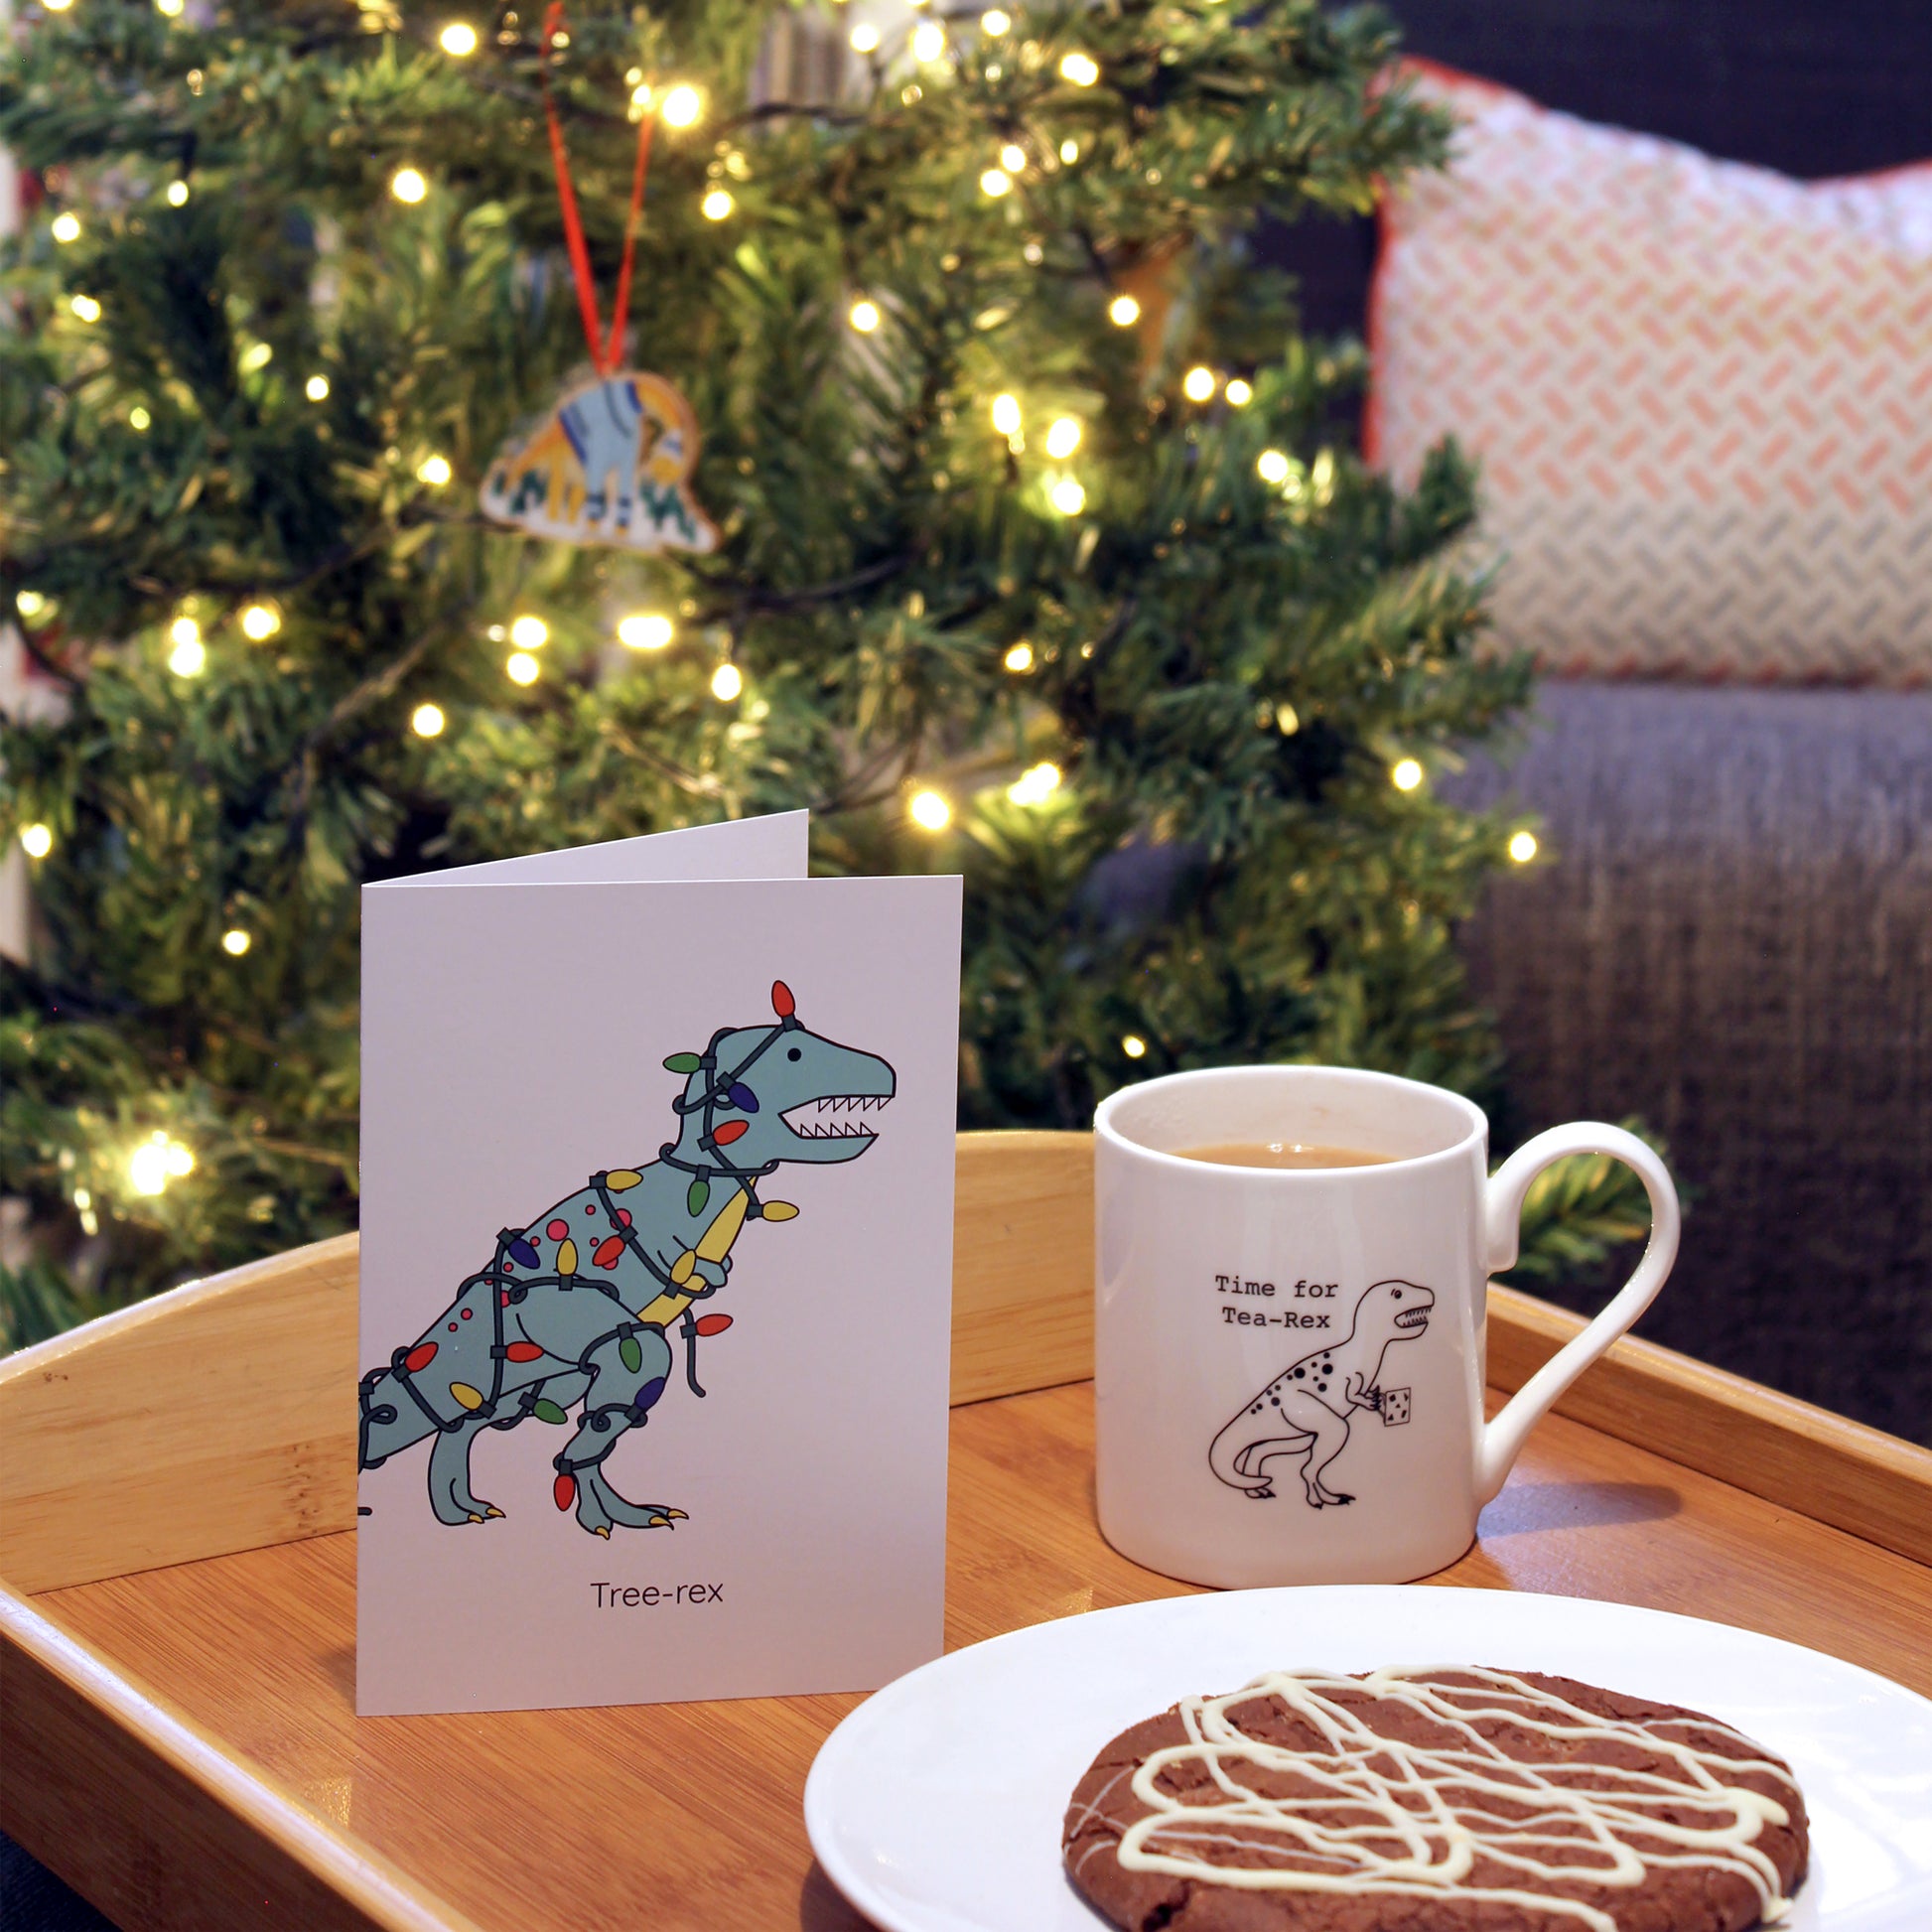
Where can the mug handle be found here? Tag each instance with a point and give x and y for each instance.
(1502, 1439)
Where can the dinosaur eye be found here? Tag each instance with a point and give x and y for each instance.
(794, 1054)
(1398, 1295)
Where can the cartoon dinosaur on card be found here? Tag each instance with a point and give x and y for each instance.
(1305, 1410)
(576, 1306)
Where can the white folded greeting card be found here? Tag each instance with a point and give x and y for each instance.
(656, 1275)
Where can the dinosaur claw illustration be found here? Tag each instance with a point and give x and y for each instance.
(677, 1515)
(491, 1509)
(603, 1530)
(473, 1517)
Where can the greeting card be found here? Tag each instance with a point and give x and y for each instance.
(657, 1159)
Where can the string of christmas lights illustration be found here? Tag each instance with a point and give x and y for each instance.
(513, 1250)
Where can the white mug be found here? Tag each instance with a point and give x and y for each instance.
(1288, 1362)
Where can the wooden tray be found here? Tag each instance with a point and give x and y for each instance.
(177, 1634)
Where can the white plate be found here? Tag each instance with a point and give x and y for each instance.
(936, 1805)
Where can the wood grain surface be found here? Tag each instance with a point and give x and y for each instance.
(221, 1417)
(1785, 1450)
(217, 1417)
(176, 1728)
(688, 1816)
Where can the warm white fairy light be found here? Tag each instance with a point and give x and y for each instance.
(65, 226)
(1133, 1046)
(529, 632)
(1012, 158)
(1018, 658)
(408, 185)
(1288, 721)
(522, 668)
(995, 183)
(683, 107)
(1239, 394)
(188, 657)
(139, 419)
(170, 9)
(56, 6)
(928, 41)
(646, 630)
(30, 604)
(1405, 774)
(1069, 151)
(317, 388)
(1063, 438)
(864, 38)
(1522, 847)
(37, 841)
(156, 1161)
(1005, 415)
(864, 317)
(458, 37)
(1198, 384)
(235, 942)
(726, 681)
(717, 205)
(86, 307)
(257, 356)
(1067, 497)
(434, 471)
(1123, 312)
(996, 23)
(1034, 785)
(177, 194)
(427, 720)
(929, 810)
(1080, 69)
(1271, 466)
(260, 620)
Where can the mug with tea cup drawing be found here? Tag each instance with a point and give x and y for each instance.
(1289, 1359)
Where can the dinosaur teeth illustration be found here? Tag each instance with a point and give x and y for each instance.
(833, 1117)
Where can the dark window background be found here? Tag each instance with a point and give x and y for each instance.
(1811, 87)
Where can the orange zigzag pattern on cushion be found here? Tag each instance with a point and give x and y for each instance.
(1702, 394)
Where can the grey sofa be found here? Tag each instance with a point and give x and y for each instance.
(1734, 940)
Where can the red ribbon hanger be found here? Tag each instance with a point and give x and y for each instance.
(603, 356)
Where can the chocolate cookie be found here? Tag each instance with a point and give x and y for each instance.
(1434, 1801)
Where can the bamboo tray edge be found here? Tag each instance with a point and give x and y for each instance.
(165, 1771)
(220, 1416)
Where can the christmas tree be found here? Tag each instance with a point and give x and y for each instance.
(1041, 548)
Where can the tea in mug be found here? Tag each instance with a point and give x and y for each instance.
(1282, 1153)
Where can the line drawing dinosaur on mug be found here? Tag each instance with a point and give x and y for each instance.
(1305, 1411)
(574, 1307)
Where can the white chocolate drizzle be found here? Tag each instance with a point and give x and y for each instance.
(1374, 1815)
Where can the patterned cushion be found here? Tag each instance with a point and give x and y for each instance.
(1701, 394)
